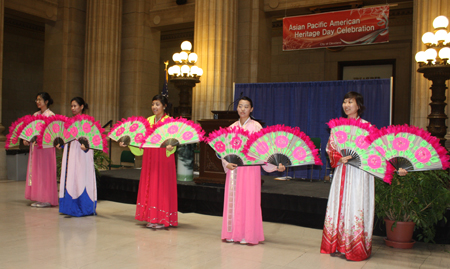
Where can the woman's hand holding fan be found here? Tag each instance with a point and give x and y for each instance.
(130, 131)
(228, 143)
(54, 134)
(349, 136)
(282, 144)
(173, 132)
(88, 132)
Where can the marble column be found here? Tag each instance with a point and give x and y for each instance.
(102, 58)
(140, 61)
(215, 44)
(254, 36)
(424, 14)
(2, 128)
(64, 55)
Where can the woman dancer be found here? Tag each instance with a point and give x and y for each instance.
(244, 224)
(350, 212)
(157, 194)
(41, 183)
(77, 188)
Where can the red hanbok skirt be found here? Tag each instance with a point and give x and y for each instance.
(157, 194)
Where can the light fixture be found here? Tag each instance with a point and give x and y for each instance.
(185, 58)
(185, 75)
(444, 53)
(440, 22)
(427, 38)
(434, 65)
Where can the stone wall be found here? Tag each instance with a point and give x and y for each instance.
(23, 66)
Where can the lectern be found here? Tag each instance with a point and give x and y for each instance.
(211, 170)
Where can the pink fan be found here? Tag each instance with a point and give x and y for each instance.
(173, 132)
(88, 132)
(12, 139)
(282, 144)
(410, 148)
(131, 131)
(31, 127)
(54, 133)
(229, 143)
(349, 136)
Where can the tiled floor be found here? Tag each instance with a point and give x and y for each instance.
(42, 238)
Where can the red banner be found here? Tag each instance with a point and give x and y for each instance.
(336, 29)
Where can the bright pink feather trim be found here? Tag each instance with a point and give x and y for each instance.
(140, 119)
(395, 129)
(81, 117)
(354, 122)
(281, 128)
(195, 126)
(47, 122)
(11, 130)
(390, 170)
(229, 130)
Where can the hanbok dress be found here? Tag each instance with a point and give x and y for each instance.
(157, 200)
(41, 185)
(242, 216)
(77, 187)
(350, 212)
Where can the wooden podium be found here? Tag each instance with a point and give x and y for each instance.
(211, 169)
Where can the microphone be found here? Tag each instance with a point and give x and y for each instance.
(232, 103)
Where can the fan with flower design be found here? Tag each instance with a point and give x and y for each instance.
(31, 127)
(228, 143)
(410, 148)
(173, 132)
(54, 133)
(87, 131)
(12, 138)
(349, 136)
(130, 131)
(282, 144)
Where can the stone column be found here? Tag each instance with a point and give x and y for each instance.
(424, 14)
(2, 128)
(64, 55)
(102, 58)
(140, 65)
(254, 36)
(215, 44)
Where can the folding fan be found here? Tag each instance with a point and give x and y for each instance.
(87, 131)
(54, 133)
(31, 127)
(229, 143)
(410, 148)
(282, 144)
(349, 136)
(12, 139)
(173, 132)
(130, 131)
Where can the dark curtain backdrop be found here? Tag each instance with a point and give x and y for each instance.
(310, 105)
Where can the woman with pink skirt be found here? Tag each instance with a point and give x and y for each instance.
(41, 183)
(244, 225)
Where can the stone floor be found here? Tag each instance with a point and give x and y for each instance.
(42, 238)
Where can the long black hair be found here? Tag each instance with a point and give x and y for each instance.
(359, 101)
(80, 101)
(46, 97)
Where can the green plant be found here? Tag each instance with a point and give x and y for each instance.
(421, 197)
(101, 162)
